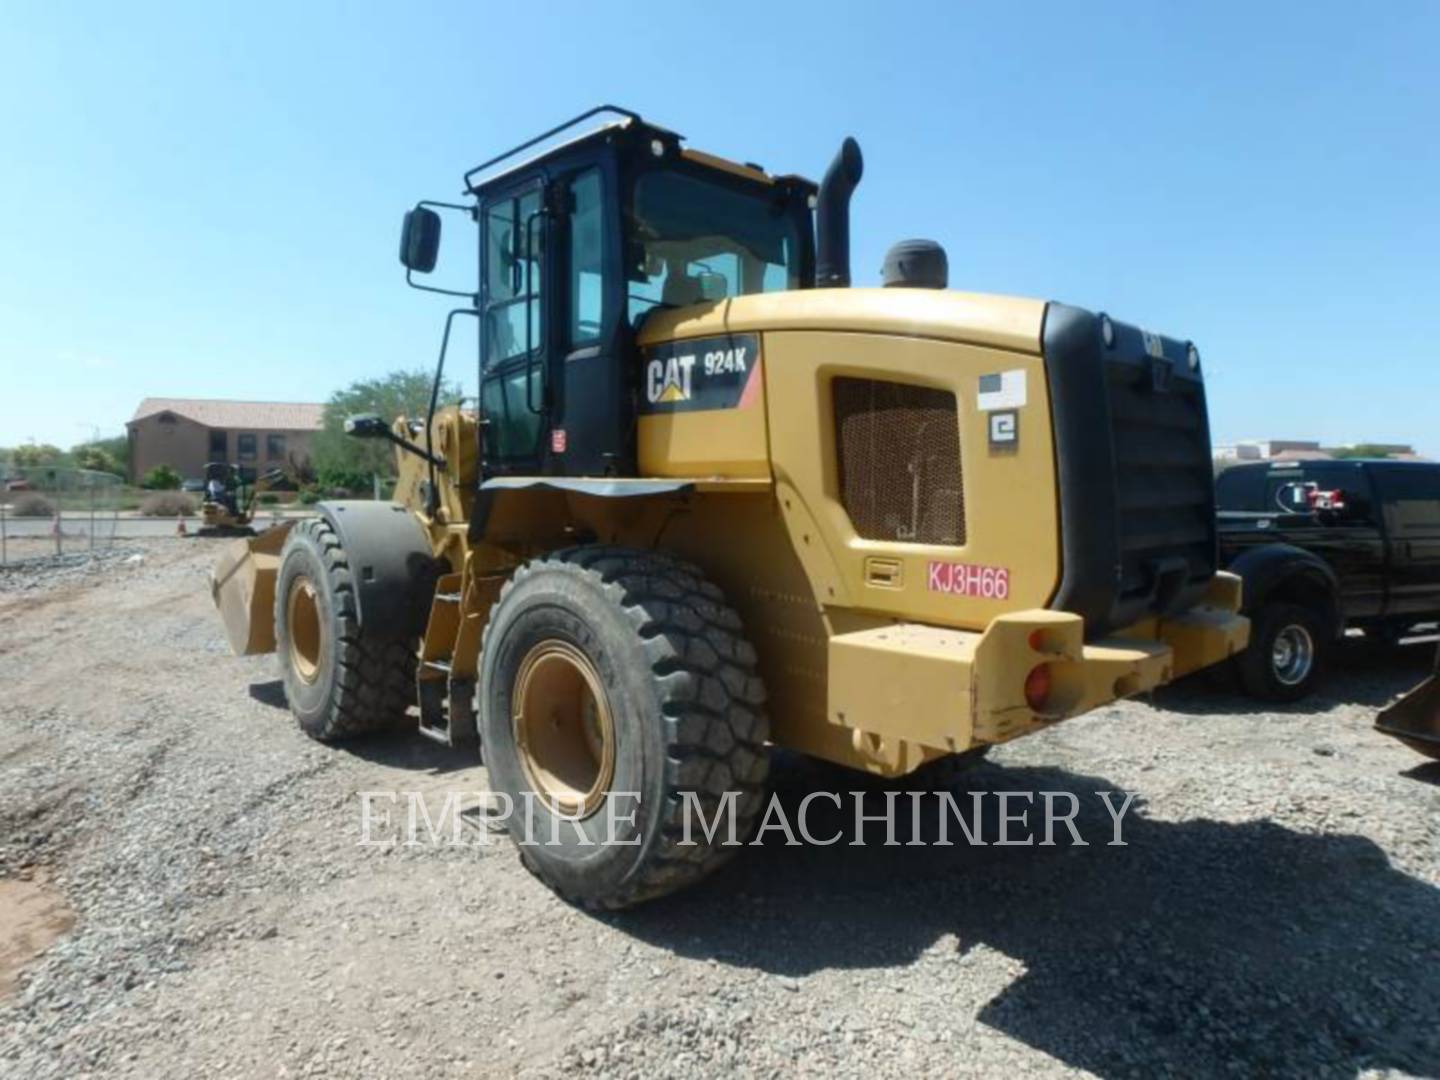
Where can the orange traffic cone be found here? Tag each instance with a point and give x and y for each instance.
(180, 525)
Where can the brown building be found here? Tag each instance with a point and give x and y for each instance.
(185, 433)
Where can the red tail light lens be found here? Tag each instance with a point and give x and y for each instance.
(1037, 687)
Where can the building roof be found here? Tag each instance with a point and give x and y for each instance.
(272, 415)
(1302, 455)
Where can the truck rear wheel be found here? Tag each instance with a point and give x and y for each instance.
(1282, 661)
(340, 679)
(617, 690)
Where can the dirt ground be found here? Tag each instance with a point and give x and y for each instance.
(182, 892)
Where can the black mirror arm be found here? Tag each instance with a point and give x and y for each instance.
(473, 212)
(382, 432)
(436, 460)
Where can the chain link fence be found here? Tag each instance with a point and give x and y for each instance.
(47, 510)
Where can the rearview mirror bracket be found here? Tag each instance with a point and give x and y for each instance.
(419, 257)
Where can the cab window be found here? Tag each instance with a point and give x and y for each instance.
(512, 278)
(512, 325)
(586, 258)
(695, 239)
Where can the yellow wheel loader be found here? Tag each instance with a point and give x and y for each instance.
(714, 500)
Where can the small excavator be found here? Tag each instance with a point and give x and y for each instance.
(229, 505)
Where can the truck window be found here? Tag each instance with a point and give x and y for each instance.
(1411, 495)
(1241, 489)
(1349, 478)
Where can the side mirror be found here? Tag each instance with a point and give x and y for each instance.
(366, 426)
(420, 239)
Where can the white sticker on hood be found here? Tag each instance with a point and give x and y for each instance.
(1003, 390)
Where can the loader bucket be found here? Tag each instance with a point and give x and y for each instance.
(243, 588)
(1415, 718)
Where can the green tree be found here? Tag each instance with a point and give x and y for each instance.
(1361, 450)
(117, 447)
(161, 478)
(97, 459)
(346, 462)
(34, 455)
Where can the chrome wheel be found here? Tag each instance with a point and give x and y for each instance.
(1293, 654)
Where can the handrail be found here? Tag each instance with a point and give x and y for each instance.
(629, 118)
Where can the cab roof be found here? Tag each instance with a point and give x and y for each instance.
(595, 121)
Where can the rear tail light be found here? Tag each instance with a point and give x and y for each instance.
(1037, 687)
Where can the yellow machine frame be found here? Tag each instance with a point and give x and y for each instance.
(866, 663)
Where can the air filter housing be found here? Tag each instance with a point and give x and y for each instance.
(916, 264)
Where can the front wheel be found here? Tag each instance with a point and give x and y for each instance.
(341, 679)
(621, 698)
(1282, 661)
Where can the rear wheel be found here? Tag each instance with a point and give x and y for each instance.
(340, 679)
(618, 690)
(1282, 661)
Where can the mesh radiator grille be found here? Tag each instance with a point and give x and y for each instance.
(898, 448)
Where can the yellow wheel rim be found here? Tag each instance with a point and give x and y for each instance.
(564, 732)
(307, 629)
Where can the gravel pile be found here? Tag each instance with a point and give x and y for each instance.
(40, 572)
(1275, 909)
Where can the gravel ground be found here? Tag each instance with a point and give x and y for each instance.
(1275, 910)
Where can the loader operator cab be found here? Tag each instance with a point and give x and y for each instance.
(608, 222)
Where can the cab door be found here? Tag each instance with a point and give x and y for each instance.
(514, 330)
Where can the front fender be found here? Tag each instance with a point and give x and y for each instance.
(391, 561)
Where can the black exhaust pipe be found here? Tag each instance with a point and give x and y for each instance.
(832, 217)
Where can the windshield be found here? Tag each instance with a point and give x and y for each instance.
(697, 239)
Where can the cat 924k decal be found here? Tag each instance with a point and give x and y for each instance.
(700, 374)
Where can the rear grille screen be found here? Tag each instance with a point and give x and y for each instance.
(898, 448)
(1163, 476)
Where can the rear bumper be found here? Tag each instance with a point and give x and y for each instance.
(910, 692)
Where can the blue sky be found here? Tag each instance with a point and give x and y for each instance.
(203, 200)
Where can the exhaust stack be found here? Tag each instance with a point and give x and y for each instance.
(832, 217)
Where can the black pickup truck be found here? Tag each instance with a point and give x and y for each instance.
(1323, 546)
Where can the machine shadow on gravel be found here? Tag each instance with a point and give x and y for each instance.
(1202, 947)
(271, 692)
(1359, 672)
(398, 749)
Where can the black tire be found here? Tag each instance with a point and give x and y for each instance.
(358, 680)
(1264, 670)
(684, 706)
